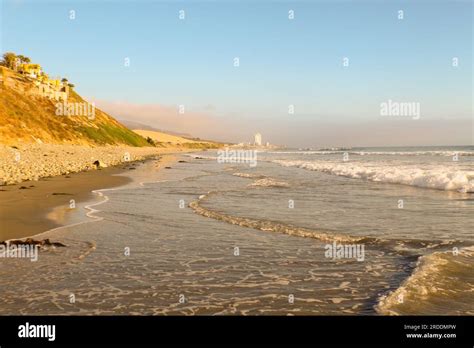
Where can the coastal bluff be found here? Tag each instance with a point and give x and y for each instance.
(50, 115)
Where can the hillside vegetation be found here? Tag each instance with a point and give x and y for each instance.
(32, 119)
(163, 140)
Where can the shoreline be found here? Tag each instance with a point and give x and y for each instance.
(32, 162)
(31, 207)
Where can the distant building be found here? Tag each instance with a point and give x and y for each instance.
(258, 139)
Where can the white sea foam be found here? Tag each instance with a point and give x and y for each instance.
(262, 180)
(249, 175)
(435, 177)
(378, 153)
(269, 182)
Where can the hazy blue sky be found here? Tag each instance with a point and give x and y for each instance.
(282, 62)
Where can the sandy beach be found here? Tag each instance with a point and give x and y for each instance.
(34, 161)
(307, 164)
(207, 238)
(26, 206)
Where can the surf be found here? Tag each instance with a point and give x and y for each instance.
(440, 177)
(441, 283)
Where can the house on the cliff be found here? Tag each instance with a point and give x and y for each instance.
(30, 70)
(44, 86)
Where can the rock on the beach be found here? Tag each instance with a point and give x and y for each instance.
(31, 241)
(26, 161)
(99, 164)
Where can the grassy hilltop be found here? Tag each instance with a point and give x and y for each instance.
(28, 119)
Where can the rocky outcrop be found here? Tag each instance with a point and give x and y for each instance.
(30, 241)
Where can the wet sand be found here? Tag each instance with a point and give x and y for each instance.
(24, 207)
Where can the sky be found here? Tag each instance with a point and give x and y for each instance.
(284, 64)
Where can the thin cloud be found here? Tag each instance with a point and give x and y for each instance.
(294, 131)
(160, 116)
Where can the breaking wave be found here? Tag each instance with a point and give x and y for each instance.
(378, 153)
(430, 286)
(434, 178)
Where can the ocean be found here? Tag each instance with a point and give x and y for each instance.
(360, 231)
